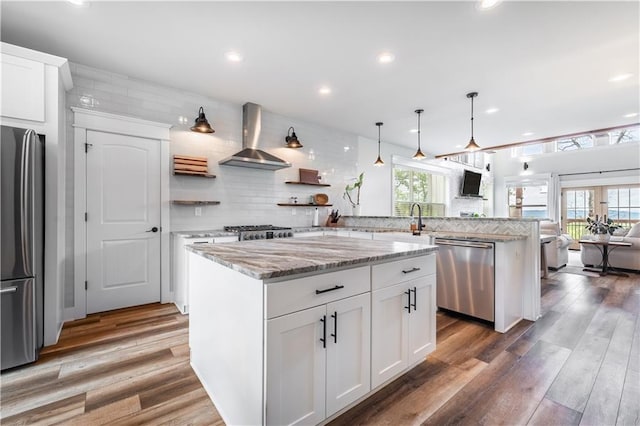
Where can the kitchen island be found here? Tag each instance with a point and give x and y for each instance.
(299, 330)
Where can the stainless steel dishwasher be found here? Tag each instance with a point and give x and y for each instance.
(465, 277)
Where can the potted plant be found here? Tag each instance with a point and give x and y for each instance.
(601, 228)
(348, 194)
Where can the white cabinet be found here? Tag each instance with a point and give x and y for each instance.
(403, 316)
(22, 88)
(180, 267)
(318, 361)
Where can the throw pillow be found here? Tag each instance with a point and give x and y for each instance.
(634, 231)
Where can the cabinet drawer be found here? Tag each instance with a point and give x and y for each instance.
(293, 295)
(387, 274)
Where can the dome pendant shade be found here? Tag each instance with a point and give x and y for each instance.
(201, 124)
(472, 145)
(292, 140)
(379, 161)
(419, 155)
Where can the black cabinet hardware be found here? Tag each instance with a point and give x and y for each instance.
(408, 307)
(415, 298)
(335, 327)
(338, 287)
(154, 229)
(323, 320)
(408, 271)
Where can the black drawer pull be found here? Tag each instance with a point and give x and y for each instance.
(323, 339)
(414, 269)
(415, 298)
(335, 327)
(408, 307)
(338, 287)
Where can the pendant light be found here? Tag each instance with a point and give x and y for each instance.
(419, 155)
(472, 145)
(292, 140)
(202, 125)
(379, 161)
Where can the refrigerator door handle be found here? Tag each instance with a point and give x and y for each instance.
(26, 222)
(9, 290)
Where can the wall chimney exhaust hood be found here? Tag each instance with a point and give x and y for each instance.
(251, 156)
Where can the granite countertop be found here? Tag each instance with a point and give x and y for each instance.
(468, 236)
(266, 259)
(205, 233)
(436, 234)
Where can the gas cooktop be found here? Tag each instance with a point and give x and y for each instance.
(244, 228)
(259, 232)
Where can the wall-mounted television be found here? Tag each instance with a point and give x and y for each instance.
(470, 184)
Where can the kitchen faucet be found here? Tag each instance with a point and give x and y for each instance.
(420, 225)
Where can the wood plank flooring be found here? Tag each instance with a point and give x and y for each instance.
(578, 364)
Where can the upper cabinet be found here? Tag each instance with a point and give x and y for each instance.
(29, 80)
(22, 88)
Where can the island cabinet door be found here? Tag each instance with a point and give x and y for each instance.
(348, 351)
(389, 332)
(422, 319)
(296, 368)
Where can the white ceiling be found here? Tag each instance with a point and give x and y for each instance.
(545, 65)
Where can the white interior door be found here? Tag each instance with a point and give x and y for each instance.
(123, 221)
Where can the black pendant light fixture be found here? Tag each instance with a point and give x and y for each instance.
(472, 145)
(419, 155)
(292, 139)
(379, 161)
(202, 125)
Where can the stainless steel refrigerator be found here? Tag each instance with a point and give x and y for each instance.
(22, 236)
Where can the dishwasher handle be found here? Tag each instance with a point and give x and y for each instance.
(463, 244)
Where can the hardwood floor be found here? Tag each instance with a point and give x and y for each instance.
(578, 364)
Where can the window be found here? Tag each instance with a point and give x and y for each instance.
(623, 205)
(528, 200)
(418, 186)
(580, 142)
(623, 136)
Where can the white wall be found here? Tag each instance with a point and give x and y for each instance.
(247, 196)
(598, 159)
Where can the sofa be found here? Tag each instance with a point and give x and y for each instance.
(557, 251)
(619, 257)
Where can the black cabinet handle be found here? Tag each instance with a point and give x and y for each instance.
(338, 287)
(408, 307)
(408, 271)
(415, 298)
(335, 327)
(323, 320)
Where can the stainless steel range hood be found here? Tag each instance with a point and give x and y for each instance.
(251, 156)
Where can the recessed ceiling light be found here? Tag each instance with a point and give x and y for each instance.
(492, 110)
(324, 90)
(488, 4)
(83, 3)
(632, 114)
(619, 77)
(458, 146)
(233, 56)
(527, 134)
(386, 57)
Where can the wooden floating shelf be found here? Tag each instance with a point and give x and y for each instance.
(307, 183)
(187, 173)
(304, 205)
(194, 202)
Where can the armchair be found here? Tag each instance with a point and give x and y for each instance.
(557, 251)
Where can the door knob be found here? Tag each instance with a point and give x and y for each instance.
(154, 229)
